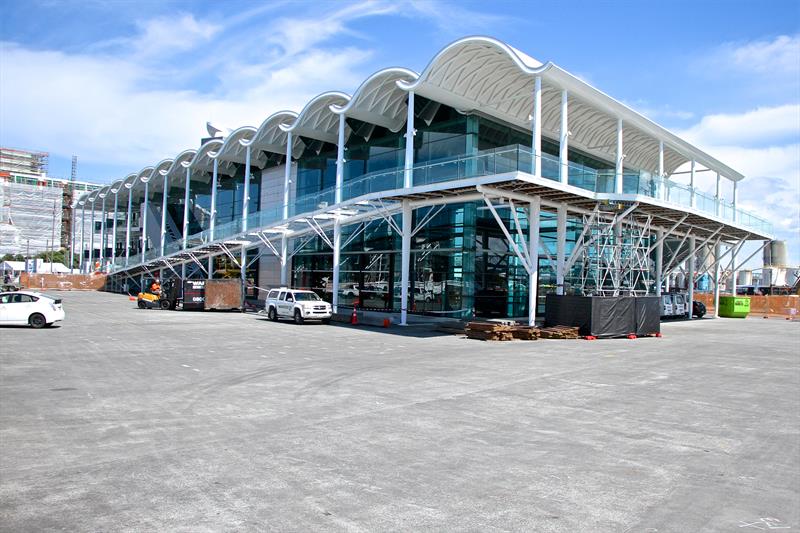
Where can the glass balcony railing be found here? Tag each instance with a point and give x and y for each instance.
(485, 163)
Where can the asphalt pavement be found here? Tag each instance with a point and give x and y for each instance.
(143, 420)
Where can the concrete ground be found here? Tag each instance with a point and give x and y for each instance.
(130, 420)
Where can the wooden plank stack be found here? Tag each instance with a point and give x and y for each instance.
(525, 333)
(489, 331)
(559, 332)
(497, 331)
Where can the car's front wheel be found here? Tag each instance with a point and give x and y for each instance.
(141, 304)
(272, 314)
(37, 320)
(298, 317)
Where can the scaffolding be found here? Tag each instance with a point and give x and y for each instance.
(614, 252)
(25, 162)
(30, 218)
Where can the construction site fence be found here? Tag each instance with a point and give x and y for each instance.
(63, 282)
(770, 305)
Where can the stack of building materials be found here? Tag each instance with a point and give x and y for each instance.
(525, 333)
(489, 331)
(560, 332)
(497, 331)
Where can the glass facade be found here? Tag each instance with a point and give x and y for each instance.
(461, 263)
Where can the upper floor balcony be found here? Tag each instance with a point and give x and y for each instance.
(509, 159)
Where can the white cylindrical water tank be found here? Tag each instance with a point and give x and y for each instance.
(744, 277)
(775, 254)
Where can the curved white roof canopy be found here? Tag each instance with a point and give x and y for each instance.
(176, 173)
(202, 164)
(116, 186)
(477, 74)
(317, 121)
(271, 137)
(156, 178)
(379, 100)
(234, 149)
(144, 174)
(485, 75)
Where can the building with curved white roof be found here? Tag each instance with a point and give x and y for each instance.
(470, 189)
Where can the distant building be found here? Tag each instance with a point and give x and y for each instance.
(35, 209)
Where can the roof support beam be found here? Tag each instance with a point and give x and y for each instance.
(213, 214)
(620, 157)
(408, 167)
(340, 160)
(563, 149)
(536, 127)
(287, 175)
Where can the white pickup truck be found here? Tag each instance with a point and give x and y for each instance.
(297, 304)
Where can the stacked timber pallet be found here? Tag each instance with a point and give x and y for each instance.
(489, 331)
(559, 332)
(499, 331)
(525, 333)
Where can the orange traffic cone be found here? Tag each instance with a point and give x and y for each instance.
(354, 317)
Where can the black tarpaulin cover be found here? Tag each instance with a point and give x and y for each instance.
(604, 316)
(648, 315)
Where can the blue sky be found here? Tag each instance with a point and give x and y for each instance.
(123, 84)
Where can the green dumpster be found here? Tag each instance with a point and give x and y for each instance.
(734, 306)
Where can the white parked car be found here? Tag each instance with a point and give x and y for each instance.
(26, 307)
(298, 305)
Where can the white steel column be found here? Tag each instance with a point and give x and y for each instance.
(83, 228)
(72, 240)
(690, 275)
(287, 178)
(533, 252)
(164, 215)
(561, 246)
(91, 242)
(405, 263)
(692, 198)
(128, 225)
(213, 214)
(246, 191)
(337, 248)
(717, 275)
(114, 229)
(243, 268)
(536, 127)
(144, 220)
(620, 157)
(733, 271)
(716, 197)
(735, 202)
(659, 260)
(662, 178)
(408, 167)
(103, 233)
(186, 207)
(339, 163)
(284, 261)
(210, 268)
(563, 150)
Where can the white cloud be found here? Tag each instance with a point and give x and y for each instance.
(764, 70)
(133, 109)
(780, 54)
(169, 35)
(758, 126)
(764, 145)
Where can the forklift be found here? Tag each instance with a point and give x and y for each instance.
(167, 298)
